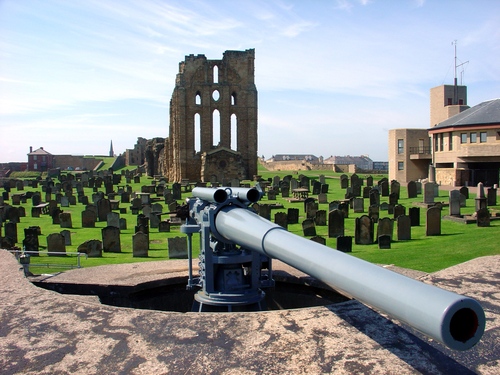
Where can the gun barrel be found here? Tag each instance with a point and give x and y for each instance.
(454, 320)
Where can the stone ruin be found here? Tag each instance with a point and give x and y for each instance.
(211, 99)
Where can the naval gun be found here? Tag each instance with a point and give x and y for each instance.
(236, 251)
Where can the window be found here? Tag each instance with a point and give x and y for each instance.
(215, 74)
(450, 141)
(449, 101)
(401, 145)
(473, 137)
(483, 136)
(436, 143)
(401, 165)
(441, 142)
(216, 128)
(197, 99)
(463, 138)
(233, 98)
(234, 132)
(460, 101)
(34, 157)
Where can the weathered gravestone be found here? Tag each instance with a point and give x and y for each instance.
(308, 228)
(103, 209)
(64, 201)
(395, 188)
(464, 190)
(11, 231)
(384, 241)
(403, 227)
(344, 208)
(113, 219)
(271, 195)
(399, 210)
(335, 223)
(414, 213)
(384, 187)
(67, 237)
(164, 226)
(111, 240)
(358, 205)
(65, 220)
(30, 242)
(319, 239)
(344, 181)
(322, 198)
(281, 218)
(363, 230)
(293, 216)
(412, 189)
(56, 244)
(481, 200)
(385, 227)
(89, 218)
(177, 248)
(454, 203)
(374, 197)
(123, 223)
(429, 192)
(140, 245)
(176, 191)
(93, 248)
(311, 209)
(320, 218)
(492, 196)
(483, 217)
(344, 244)
(433, 222)
(316, 188)
(374, 213)
(265, 211)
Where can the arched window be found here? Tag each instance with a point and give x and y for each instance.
(216, 95)
(233, 99)
(197, 132)
(234, 132)
(216, 127)
(197, 99)
(216, 74)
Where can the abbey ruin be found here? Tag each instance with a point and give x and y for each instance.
(213, 121)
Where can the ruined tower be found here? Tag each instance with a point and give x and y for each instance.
(213, 119)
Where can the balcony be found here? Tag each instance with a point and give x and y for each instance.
(420, 153)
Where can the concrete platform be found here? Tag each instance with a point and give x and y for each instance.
(44, 332)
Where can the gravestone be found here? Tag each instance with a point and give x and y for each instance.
(154, 220)
(344, 208)
(412, 189)
(465, 191)
(385, 227)
(285, 192)
(366, 191)
(103, 209)
(93, 248)
(55, 216)
(374, 197)
(140, 245)
(492, 196)
(403, 228)
(399, 210)
(454, 203)
(281, 218)
(265, 211)
(384, 187)
(56, 244)
(429, 192)
(344, 181)
(335, 223)
(113, 219)
(384, 241)
(393, 199)
(164, 226)
(123, 223)
(293, 216)
(369, 181)
(311, 209)
(111, 240)
(11, 231)
(308, 228)
(65, 220)
(36, 199)
(433, 222)
(358, 205)
(319, 239)
(483, 217)
(322, 198)
(414, 213)
(176, 191)
(67, 237)
(125, 197)
(374, 213)
(177, 248)
(324, 188)
(64, 201)
(89, 218)
(481, 200)
(271, 195)
(395, 188)
(316, 188)
(320, 218)
(30, 242)
(363, 230)
(344, 244)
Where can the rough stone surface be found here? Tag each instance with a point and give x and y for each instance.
(44, 332)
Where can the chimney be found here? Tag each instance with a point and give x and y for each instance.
(41, 148)
(31, 149)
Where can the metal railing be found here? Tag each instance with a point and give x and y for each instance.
(25, 257)
(420, 150)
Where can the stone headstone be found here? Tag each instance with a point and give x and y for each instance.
(123, 223)
(316, 188)
(335, 223)
(344, 244)
(344, 208)
(481, 200)
(308, 228)
(56, 244)
(111, 240)
(384, 241)
(320, 218)
(89, 218)
(395, 188)
(65, 220)
(293, 216)
(30, 242)
(403, 228)
(177, 248)
(285, 192)
(414, 213)
(271, 195)
(11, 231)
(164, 226)
(483, 217)
(176, 191)
(358, 205)
(113, 219)
(322, 198)
(281, 218)
(385, 227)
(344, 181)
(399, 210)
(319, 239)
(265, 211)
(93, 248)
(140, 245)
(492, 196)
(311, 209)
(433, 222)
(393, 199)
(374, 197)
(67, 237)
(429, 192)
(363, 230)
(384, 187)
(374, 213)
(454, 203)
(103, 209)
(465, 191)
(412, 189)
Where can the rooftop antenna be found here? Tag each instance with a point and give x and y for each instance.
(455, 80)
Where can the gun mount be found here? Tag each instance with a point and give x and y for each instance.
(237, 247)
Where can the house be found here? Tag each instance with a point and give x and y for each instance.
(40, 160)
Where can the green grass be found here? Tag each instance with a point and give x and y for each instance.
(458, 242)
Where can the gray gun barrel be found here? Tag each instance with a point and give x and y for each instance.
(454, 320)
(210, 195)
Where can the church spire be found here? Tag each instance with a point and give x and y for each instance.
(111, 153)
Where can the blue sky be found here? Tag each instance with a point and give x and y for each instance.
(332, 76)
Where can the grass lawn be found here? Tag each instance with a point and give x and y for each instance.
(457, 243)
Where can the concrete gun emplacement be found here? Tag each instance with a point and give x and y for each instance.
(236, 251)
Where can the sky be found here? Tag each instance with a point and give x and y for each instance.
(332, 76)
